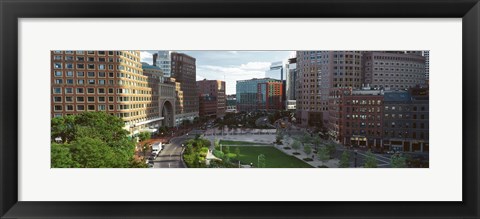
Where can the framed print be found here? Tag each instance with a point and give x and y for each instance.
(170, 109)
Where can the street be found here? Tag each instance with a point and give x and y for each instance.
(171, 155)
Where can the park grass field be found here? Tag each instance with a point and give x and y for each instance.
(274, 157)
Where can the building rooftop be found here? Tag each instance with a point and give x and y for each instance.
(397, 96)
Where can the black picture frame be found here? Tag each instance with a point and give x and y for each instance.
(12, 10)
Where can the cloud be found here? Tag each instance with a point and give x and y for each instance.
(231, 74)
(147, 56)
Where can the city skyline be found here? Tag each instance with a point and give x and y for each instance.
(229, 66)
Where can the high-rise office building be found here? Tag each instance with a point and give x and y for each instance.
(426, 54)
(163, 60)
(259, 94)
(109, 81)
(394, 71)
(319, 75)
(183, 69)
(212, 100)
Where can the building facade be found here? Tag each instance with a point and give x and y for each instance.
(167, 95)
(361, 118)
(319, 74)
(270, 95)
(183, 69)
(251, 93)
(109, 81)
(212, 99)
(231, 103)
(394, 70)
(154, 78)
(163, 60)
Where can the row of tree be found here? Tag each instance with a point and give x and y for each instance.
(91, 140)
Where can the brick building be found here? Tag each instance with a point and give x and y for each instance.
(211, 97)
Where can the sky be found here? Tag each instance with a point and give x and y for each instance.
(230, 66)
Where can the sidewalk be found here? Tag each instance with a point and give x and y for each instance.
(332, 163)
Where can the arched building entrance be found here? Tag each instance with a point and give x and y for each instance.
(167, 112)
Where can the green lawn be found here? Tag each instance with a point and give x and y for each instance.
(274, 158)
(226, 142)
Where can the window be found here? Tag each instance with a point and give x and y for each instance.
(80, 66)
(80, 58)
(80, 81)
(80, 74)
(69, 90)
(80, 90)
(69, 107)
(68, 99)
(57, 65)
(110, 90)
(110, 99)
(69, 65)
(101, 81)
(101, 67)
(80, 52)
(90, 90)
(91, 59)
(57, 90)
(57, 58)
(80, 99)
(101, 74)
(90, 99)
(101, 90)
(69, 81)
(91, 81)
(110, 107)
(69, 73)
(57, 99)
(91, 74)
(58, 107)
(101, 99)
(101, 107)
(80, 107)
(91, 107)
(58, 81)
(58, 74)
(91, 66)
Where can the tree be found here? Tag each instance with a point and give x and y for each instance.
(142, 136)
(91, 139)
(93, 153)
(331, 149)
(306, 138)
(370, 160)
(316, 141)
(295, 145)
(262, 161)
(322, 154)
(307, 149)
(61, 156)
(63, 127)
(145, 148)
(345, 160)
(398, 161)
(216, 143)
(279, 137)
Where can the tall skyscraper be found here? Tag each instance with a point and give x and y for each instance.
(259, 94)
(163, 60)
(184, 72)
(319, 74)
(109, 81)
(426, 54)
(212, 100)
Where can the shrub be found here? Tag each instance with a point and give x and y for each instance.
(307, 159)
(296, 153)
(287, 148)
(218, 153)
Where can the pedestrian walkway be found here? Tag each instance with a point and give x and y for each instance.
(332, 163)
